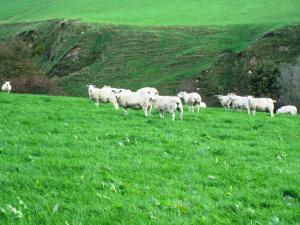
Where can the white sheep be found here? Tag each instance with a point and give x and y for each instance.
(90, 87)
(240, 102)
(261, 104)
(202, 105)
(168, 104)
(104, 95)
(6, 86)
(119, 90)
(191, 99)
(288, 109)
(225, 100)
(135, 100)
(149, 90)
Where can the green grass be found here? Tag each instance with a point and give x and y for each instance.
(63, 161)
(155, 12)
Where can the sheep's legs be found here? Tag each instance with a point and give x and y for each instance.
(248, 110)
(97, 103)
(173, 116)
(161, 114)
(146, 112)
(126, 111)
(198, 108)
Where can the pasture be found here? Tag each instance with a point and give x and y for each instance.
(155, 12)
(64, 161)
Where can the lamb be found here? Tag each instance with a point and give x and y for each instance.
(225, 100)
(135, 100)
(168, 104)
(105, 95)
(191, 99)
(288, 109)
(261, 104)
(6, 86)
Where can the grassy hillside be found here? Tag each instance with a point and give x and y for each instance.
(63, 161)
(172, 45)
(155, 12)
(126, 56)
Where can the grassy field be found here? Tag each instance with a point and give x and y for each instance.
(155, 12)
(63, 161)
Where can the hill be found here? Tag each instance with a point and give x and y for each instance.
(65, 161)
(155, 12)
(204, 46)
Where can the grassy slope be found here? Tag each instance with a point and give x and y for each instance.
(131, 57)
(70, 162)
(155, 12)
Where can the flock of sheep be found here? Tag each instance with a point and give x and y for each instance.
(252, 104)
(148, 98)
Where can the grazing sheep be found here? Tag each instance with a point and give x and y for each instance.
(240, 103)
(90, 87)
(149, 90)
(202, 105)
(225, 100)
(135, 100)
(168, 104)
(261, 104)
(104, 95)
(119, 90)
(6, 86)
(191, 99)
(288, 109)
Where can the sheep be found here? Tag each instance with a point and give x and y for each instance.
(168, 104)
(6, 86)
(135, 100)
(202, 105)
(261, 104)
(191, 99)
(149, 90)
(90, 87)
(288, 109)
(225, 100)
(105, 95)
(240, 103)
(119, 90)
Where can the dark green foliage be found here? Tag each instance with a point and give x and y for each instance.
(290, 84)
(263, 81)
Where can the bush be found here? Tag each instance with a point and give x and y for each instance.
(26, 77)
(264, 80)
(36, 84)
(289, 81)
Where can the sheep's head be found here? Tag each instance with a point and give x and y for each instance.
(181, 94)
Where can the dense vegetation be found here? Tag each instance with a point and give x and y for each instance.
(63, 161)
